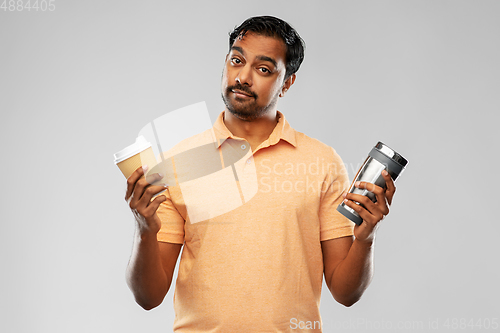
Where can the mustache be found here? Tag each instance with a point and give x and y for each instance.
(242, 88)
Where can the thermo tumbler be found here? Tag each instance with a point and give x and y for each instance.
(380, 157)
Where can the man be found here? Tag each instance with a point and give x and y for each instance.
(260, 266)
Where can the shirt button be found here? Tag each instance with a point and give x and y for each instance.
(249, 161)
(243, 147)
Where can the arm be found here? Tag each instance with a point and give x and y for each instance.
(348, 262)
(348, 268)
(151, 269)
(151, 266)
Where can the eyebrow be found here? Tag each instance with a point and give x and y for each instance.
(261, 57)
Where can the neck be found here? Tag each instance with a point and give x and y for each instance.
(256, 131)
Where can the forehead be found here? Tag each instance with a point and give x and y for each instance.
(257, 45)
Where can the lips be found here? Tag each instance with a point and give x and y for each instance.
(242, 93)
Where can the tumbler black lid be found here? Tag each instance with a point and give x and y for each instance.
(392, 154)
(354, 218)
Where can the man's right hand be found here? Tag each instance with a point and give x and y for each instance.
(139, 194)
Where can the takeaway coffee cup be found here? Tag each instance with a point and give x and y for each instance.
(132, 157)
(380, 158)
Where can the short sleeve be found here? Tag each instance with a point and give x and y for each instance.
(332, 223)
(172, 222)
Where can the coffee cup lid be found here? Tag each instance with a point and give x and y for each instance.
(140, 145)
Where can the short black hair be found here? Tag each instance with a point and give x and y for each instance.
(274, 27)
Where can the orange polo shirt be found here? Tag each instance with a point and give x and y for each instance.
(258, 266)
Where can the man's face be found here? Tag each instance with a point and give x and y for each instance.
(253, 76)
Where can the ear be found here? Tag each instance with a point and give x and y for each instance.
(287, 84)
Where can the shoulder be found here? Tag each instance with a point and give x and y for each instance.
(316, 147)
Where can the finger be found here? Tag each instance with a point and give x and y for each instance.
(143, 183)
(362, 212)
(391, 188)
(378, 210)
(149, 193)
(153, 206)
(153, 178)
(132, 180)
(381, 206)
(141, 186)
(369, 186)
(362, 199)
(377, 190)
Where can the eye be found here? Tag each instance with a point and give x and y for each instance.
(236, 61)
(264, 70)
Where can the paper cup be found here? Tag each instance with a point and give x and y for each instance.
(132, 157)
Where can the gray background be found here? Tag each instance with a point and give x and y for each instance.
(78, 83)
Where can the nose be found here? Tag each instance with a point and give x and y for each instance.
(244, 76)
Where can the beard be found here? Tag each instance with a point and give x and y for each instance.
(245, 109)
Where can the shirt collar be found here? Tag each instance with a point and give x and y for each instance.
(283, 130)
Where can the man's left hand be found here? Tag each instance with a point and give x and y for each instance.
(372, 213)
